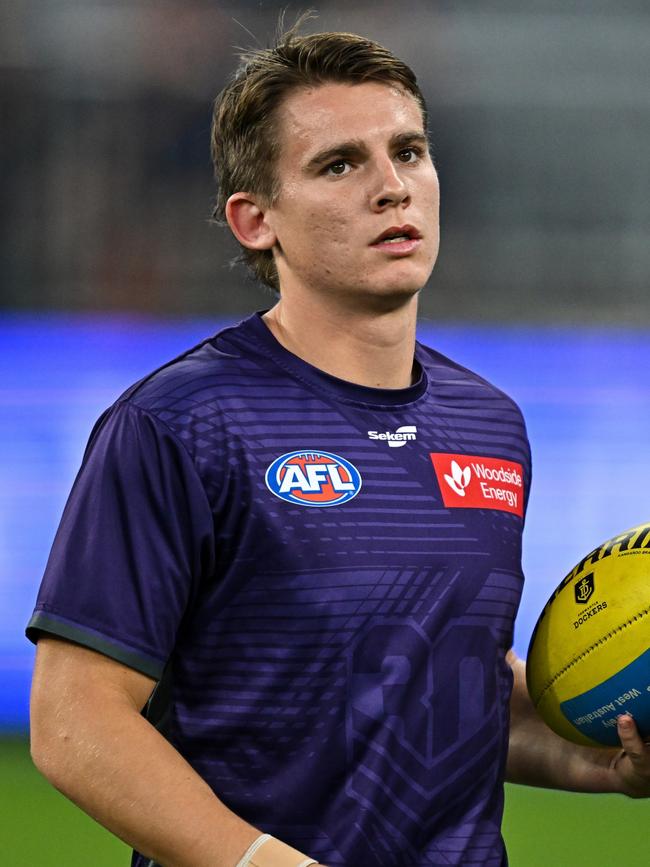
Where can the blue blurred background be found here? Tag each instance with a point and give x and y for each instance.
(585, 394)
(540, 123)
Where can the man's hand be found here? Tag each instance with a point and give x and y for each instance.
(539, 757)
(630, 766)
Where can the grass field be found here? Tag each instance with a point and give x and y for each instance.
(39, 828)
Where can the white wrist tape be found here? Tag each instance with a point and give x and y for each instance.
(266, 851)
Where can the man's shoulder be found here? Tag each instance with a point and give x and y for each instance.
(456, 377)
(193, 396)
(203, 374)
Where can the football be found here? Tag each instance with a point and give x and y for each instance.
(589, 654)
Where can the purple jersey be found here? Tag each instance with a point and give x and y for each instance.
(327, 575)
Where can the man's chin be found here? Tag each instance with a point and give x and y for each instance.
(401, 286)
(407, 275)
(384, 299)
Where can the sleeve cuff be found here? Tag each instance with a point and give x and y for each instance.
(86, 637)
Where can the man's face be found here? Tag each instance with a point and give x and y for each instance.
(354, 170)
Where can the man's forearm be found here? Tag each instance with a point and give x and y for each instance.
(539, 757)
(91, 742)
(134, 783)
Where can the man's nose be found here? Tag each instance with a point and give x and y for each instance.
(389, 186)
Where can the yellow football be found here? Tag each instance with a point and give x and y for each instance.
(589, 655)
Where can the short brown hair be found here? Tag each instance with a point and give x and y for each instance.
(244, 140)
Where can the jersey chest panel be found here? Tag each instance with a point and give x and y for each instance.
(373, 629)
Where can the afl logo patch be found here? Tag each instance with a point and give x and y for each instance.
(313, 479)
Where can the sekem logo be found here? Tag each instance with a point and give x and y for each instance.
(313, 479)
(404, 434)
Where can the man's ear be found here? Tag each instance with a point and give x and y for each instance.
(247, 221)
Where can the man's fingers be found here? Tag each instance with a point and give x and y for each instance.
(632, 763)
(631, 739)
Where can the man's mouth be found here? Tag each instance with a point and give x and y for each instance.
(397, 235)
(398, 241)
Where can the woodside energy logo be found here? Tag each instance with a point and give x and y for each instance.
(475, 482)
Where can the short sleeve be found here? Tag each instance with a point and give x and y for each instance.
(135, 538)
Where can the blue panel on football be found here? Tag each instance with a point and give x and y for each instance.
(594, 712)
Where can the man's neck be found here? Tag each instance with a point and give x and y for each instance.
(366, 347)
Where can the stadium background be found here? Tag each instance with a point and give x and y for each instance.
(540, 119)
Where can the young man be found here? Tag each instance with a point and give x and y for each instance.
(284, 527)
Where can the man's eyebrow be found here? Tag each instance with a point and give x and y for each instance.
(342, 150)
(358, 148)
(403, 139)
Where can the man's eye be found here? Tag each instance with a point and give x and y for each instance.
(409, 155)
(340, 167)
